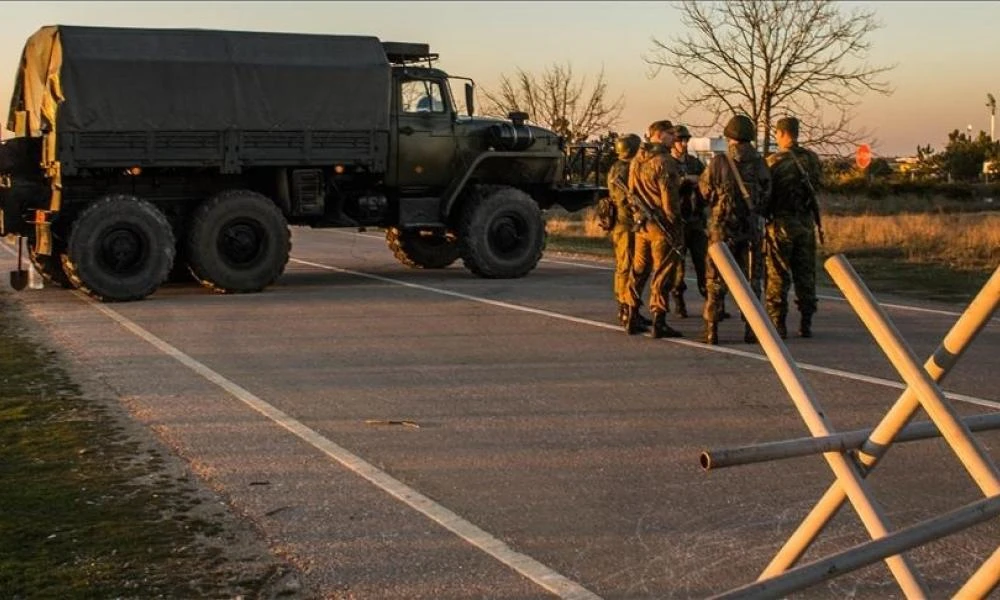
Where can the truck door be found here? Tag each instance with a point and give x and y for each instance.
(425, 137)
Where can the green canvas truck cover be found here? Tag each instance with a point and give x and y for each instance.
(102, 79)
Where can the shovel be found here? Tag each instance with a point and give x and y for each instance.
(19, 278)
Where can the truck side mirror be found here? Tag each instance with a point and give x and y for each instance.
(469, 99)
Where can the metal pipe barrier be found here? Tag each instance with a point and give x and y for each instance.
(848, 473)
(954, 345)
(842, 442)
(869, 552)
(922, 391)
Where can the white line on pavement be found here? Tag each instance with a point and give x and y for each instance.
(522, 563)
(600, 267)
(721, 349)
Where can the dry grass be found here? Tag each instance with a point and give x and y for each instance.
(963, 241)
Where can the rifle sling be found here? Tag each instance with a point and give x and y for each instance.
(744, 194)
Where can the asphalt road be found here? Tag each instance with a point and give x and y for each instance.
(401, 433)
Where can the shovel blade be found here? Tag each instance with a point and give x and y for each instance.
(19, 279)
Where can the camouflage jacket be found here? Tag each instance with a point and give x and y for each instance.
(655, 177)
(692, 202)
(732, 216)
(791, 196)
(617, 184)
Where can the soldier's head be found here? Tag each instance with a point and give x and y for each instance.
(740, 128)
(786, 132)
(661, 132)
(627, 145)
(681, 138)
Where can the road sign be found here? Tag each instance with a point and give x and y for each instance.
(863, 156)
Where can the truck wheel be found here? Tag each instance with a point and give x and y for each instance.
(428, 251)
(502, 234)
(120, 248)
(238, 242)
(50, 266)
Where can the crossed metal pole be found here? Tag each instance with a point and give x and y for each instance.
(779, 577)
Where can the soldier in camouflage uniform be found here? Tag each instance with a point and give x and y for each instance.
(793, 218)
(622, 234)
(734, 218)
(654, 179)
(693, 217)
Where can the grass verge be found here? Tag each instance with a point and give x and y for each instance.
(89, 509)
(941, 257)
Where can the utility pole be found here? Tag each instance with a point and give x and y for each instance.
(991, 103)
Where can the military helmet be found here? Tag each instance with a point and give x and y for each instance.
(740, 128)
(627, 145)
(681, 132)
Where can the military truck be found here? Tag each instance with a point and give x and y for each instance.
(143, 154)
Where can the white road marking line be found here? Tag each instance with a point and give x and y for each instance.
(540, 574)
(691, 344)
(530, 568)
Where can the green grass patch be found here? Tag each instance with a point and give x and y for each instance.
(887, 272)
(85, 511)
(572, 244)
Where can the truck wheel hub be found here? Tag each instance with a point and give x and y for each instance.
(506, 235)
(240, 243)
(123, 251)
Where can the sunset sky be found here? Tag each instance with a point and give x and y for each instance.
(947, 52)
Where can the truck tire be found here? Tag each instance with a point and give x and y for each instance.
(120, 248)
(181, 272)
(50, 266)
(502, 234)
(238, 242)
(433, 251)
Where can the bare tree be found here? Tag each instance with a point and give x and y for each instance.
(559, 101)
(771, 58)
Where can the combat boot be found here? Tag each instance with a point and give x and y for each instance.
(780, 327)
(660, 327)
(632, 326)
(805, 327)
(680, 306)
(711, 335)
(748, 335)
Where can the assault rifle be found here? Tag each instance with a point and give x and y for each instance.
(815, 200)
(655, 217)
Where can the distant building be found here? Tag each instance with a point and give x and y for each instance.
(705, 147)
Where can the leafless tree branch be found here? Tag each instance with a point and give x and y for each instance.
(557, 99)
(768, 58)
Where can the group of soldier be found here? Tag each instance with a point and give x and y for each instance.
(667, 204)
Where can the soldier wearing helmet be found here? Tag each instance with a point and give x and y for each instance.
(622, 234)
(693, 215)
(736, 186)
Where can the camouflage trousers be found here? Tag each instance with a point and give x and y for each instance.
(791, 258)
(653, 257)
(623, 241)
(695, 244)
(748, 257)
